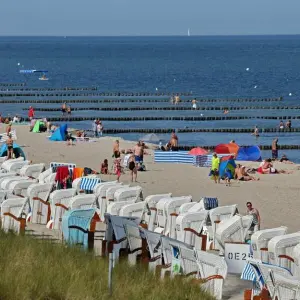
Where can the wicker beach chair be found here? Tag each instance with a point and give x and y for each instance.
(129, 194)
(167, 211)
(150, 212)
(260, 240)
(132, 210)
(38, 195)
(110, 192)
(286, 288)
(59, 201)
(189, 228)
(212, 272)
(84, 201)
(32, 171)
(13, 214)
(281, 247)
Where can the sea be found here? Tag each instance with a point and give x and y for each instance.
(218, 67)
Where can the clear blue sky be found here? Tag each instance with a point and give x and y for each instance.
(152, 17)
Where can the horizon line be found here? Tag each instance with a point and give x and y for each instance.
(150, 35)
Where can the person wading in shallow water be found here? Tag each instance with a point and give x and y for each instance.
(174, 141)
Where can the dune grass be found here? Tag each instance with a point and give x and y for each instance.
(32, 269)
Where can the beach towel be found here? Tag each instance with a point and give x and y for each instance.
(77, 173)
(62, 177)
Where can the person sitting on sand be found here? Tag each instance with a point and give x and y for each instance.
(132, 166)
(246, 175)
(104, 167)
(116, 149)
(285, 160)
(241, 174)
(267, 168)
(174, 142)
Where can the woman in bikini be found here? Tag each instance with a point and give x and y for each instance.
(132, 168)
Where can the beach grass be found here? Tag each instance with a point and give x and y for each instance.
(38, 269)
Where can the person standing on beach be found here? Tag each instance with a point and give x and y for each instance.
(255, 132)
(275, 149)
(138, 151)
(31, 113)
(174, 141)
(194, 103)
(95, 128)
(10, 147)
(256, 217)
(215, 164)
(116, 149)
(132, 166)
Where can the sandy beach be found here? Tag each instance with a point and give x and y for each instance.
(275, 196)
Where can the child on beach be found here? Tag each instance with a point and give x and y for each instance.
(117, 168)
(104, 167)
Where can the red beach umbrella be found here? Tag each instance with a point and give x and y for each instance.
(198, 151)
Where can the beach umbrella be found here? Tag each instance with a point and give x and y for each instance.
(198, 151)
(151, 137)
(231, 148)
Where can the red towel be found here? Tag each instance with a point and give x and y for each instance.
(62, 173)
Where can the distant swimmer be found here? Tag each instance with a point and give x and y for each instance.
(194, 103)
(255, 132)
(281, 125)
(177, 99)
(226, 111)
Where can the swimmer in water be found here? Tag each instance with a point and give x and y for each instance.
(194, 103)
(226, 111)
(255, 132)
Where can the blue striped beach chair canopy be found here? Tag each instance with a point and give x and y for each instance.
(88, 183)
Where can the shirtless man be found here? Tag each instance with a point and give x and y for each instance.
(177, 99)
(9, 145)
(194, 103)
(256, 132)
(174, 142)
(116, 149)
(241, 174)
(275, 149)
(138, 152)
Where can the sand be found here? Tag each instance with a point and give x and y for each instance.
(277, 197)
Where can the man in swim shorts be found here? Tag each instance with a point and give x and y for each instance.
(275, 149)
(116, 149)
(138, 152)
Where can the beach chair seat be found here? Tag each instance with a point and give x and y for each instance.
(150, 216)
(286, 288)
(60, 202)
(260, 240)
(281, 247)
(32, 171)
(212, 272)
(13, 214)
(189, 228)
(48, 176)
(114, 208)
(7, 181)
(38, 195)
(83, 202)
(167, 211)
(100, 192)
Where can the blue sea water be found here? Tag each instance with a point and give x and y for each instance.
(209, 67)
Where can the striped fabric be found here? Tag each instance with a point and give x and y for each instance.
(4, 137)
(173, 157)
(56, 164)
(248, 273)
(210, 203)
(205, 160)
(88, 183)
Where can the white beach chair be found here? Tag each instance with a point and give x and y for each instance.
(167, 211)
(189, 228)
(13, 214)
(216, 215)
(233, 230)
(100, 192)
(296, 265)
(154, 245)
(286, 288)
(14, 165)
(132, 210)
(38, 195)
(59, 201)
(129, 194)
(19, 188)
(134, 240)
(281, 247)
(213, 271)
(83, 201)
(114, 208)
(150, 215)
(32, 171)
(167, 255)
(47, 176)
(260, 240)
(7, 181)
(110, 192)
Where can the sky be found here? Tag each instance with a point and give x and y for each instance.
(154, 17)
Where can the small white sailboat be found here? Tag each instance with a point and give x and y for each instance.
(189, 32)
